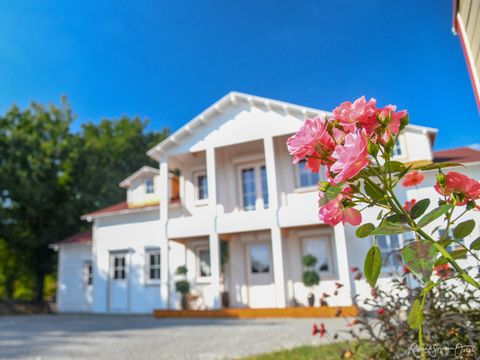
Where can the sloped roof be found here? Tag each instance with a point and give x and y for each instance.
(460, 155)
(142, 172)
(233, 98)
(119, 208)
(80, 238)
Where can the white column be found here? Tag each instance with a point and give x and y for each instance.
(276, 232)
(340, 243)
(164, 251)
(214, 241)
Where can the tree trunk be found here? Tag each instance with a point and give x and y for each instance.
(39, 286)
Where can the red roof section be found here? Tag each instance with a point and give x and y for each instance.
(460, 155)
(80, 238)
(118, 207)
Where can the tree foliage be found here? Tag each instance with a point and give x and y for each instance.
(50, 176)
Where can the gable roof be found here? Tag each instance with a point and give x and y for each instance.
(459, 155)
(232, 99)
(142, 172)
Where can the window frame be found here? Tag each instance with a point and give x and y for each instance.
(403, 148)
(454, 245)
(199, 277)
(259, 196)
(402, 242)
(196, 176)
(124, 266)
(298, 185)
(88, 273)
(147, 186)
(148, 265)
(332, 272)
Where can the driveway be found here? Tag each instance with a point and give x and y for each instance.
(99, 337)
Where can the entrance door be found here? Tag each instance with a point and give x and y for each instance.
(119, 284)
(261, 293)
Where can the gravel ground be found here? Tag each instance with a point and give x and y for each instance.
(99, 337)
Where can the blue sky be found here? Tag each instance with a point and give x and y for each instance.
(168, 60)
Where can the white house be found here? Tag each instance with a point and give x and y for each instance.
(227, 202)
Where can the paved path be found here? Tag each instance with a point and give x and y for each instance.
(102, 337)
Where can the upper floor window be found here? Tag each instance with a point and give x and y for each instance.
(153, 264)
(88, 273)
(149, 186)
(397, 149)
(204, 269)
(254, 187)
(306, 178)
(202, 186)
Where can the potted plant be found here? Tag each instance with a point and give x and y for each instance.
(310, 276)
(183, 286)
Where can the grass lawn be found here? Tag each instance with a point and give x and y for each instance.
(321, 352)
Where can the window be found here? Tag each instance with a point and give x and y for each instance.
(153, 264)
(453, 245)
(306, 178)
(202, 186)
(119, 267)
(204, 269)
(321, 250)
(88, 273)
(259, 259)
(254, 187)
(390, 247)
(149, 187)
(397, 148)
(263, 171)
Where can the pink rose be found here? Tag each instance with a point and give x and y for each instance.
(460, 184)
(313, 133)
(393, 118)
(360, 112)
(335, 211)
(351, 157)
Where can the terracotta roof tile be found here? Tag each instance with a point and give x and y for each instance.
(80, 238)
(119, 207)
(460, 155)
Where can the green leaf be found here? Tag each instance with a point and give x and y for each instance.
(387, 228)
(397, 218)
(415, 316)
(373, 265)
(459, 253)
(428, 286)
(331, 193)
(419, 208)
(375, 192)
(364, 230)
(434, 215)
(439, 166)
(440, 261)
(463, 229)
(419, 256)
(475, 245)
(394, 166)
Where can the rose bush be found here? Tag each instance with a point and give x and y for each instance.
(355, 146)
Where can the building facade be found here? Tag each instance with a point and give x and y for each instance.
(227, 203)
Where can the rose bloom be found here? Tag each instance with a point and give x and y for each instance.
(409, 204)
(335, 212)
(461, 184)
(361, 113)
(443, 271)
(313, 133)
(413, 179)
(351, 157)
(388, 112)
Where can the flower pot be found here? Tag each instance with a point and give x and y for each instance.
(311, 299)
(225, 299)
(184, 301)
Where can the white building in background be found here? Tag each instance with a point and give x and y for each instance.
(227, 202)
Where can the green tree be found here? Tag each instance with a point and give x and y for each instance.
(50, 176)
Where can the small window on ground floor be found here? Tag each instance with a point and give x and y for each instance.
(88, 273)
(119, 267)
(321, 249)
(259, 258)
(153, 264)
(204, 270)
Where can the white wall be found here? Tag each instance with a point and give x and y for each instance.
(74, 295)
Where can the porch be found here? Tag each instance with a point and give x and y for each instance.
(249, 313)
